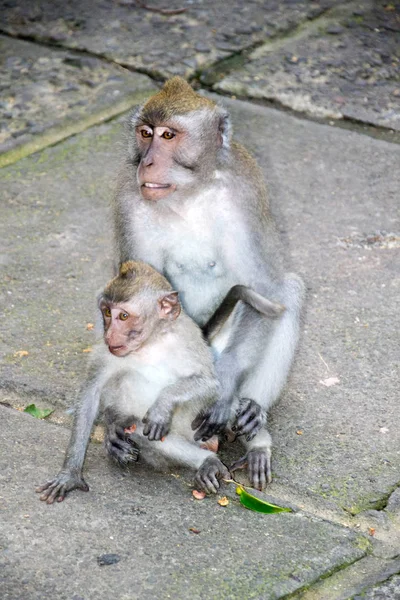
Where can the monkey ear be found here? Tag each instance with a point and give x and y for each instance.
(224, 129)
(169, 306)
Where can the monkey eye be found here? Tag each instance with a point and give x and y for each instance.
(107, 312)
(123, 316)
(145, 133)
(168, 135)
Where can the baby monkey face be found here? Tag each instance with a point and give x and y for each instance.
(124, 329)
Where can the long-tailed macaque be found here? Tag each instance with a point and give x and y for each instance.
(193, 204)
(152, 373)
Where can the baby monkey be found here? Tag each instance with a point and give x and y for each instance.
(152, 375)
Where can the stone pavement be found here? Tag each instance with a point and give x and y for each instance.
(335, 193)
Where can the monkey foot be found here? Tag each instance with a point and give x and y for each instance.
(208, 476)
(258, 463)
(250, 418)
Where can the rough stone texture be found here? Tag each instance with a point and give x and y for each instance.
(327, 184)
(144, 518)
(354, 581)
(206, 32)
(42, 88)
(340, 443)
(390, 590)
(55, 252)
(347, 67)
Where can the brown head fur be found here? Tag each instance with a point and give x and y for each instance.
(176, 97)
(132, 278)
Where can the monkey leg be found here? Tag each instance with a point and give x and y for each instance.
(178, 450)
(119, 445)
(269, 359)
(257, 459)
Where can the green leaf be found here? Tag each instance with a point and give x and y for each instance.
(38, 413)
(253, 503)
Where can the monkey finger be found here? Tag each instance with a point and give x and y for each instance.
(51, 494)
(254, 470)
(259, 469)
(212, 483)
(250, 429)
(44, 486)
(209, 483)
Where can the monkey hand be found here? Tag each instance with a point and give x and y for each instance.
(57, 488)
(212, 422)
(157, 422)
(208, 476)
(120, 446)
(250, 418)
(258, 461)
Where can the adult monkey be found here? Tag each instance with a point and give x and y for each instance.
(194, 205)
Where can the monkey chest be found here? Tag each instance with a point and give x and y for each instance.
(190, 250)
(198, 272)
(133, 389)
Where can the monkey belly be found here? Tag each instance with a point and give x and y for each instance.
(132, 394)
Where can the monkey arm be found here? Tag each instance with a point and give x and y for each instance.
(197, 389)
(70, 477)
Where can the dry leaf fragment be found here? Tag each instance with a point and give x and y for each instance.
(21, 353)
(299, 432)
(89, 349)
(223, 501)
(371, 530)
(198, 495)
(89, 326)
(330, 381)
(194, 530)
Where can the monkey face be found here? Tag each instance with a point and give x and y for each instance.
(124, 331)
(159, 173)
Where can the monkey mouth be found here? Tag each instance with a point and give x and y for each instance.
(157, 185)
(156, 191)
(118, 350)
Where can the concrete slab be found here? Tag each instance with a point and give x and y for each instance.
(47, 95)
(200, 34)
(332, 190)
(144, 519)
(384, 591)
(346, 66)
